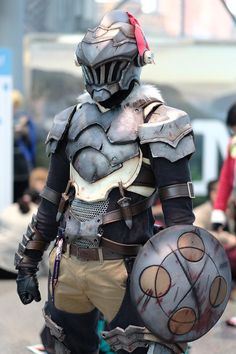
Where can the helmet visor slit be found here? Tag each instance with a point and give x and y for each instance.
(88, 74)
(117, 71)
(103, 74)
(109, 78)
(96, 75)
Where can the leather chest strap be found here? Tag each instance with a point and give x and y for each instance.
(137, 208)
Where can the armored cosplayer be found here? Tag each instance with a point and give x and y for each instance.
(109, 156)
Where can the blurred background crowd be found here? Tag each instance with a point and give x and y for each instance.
(195, 55)
(194, 46)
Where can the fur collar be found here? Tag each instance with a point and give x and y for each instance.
(143, 92)
(139, 92)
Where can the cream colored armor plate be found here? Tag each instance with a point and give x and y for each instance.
(99, 190)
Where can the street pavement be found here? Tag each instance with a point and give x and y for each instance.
(20, 325)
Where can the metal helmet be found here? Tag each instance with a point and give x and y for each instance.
(111, 55)
(180, 283)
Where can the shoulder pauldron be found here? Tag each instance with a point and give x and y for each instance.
(60, 125)
(169, 133)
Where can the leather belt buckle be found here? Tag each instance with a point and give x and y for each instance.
(190, 190)
(87, 254)
(90, 254)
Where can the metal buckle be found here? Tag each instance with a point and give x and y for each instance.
(190, 190)
(90, 254)
(55, 330)
(100, 255)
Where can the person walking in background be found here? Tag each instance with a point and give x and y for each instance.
(24, 146)
(227, 180)
(203, 211)
(14, 220)
(227, 185)
(226, 237)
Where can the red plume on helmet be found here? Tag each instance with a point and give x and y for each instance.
(142, 44)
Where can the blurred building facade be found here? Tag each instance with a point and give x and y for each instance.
(201, 19)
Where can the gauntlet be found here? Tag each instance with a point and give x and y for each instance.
(27, 258)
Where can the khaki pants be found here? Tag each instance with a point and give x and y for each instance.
(84, 286)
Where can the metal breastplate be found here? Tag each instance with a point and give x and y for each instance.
(100, 143)
(103, 151)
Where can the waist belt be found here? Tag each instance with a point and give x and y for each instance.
(108, 250)
(120, 248)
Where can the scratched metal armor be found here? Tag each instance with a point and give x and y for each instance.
(104, 154)
(115, 140)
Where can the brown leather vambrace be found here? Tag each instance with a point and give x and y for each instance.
(31, 247)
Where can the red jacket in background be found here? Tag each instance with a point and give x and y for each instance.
(227, 177)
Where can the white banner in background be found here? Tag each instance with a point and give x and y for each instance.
(215, 140)
(6, 148)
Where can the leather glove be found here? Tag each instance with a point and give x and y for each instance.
(27, 258)
(27, 287)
